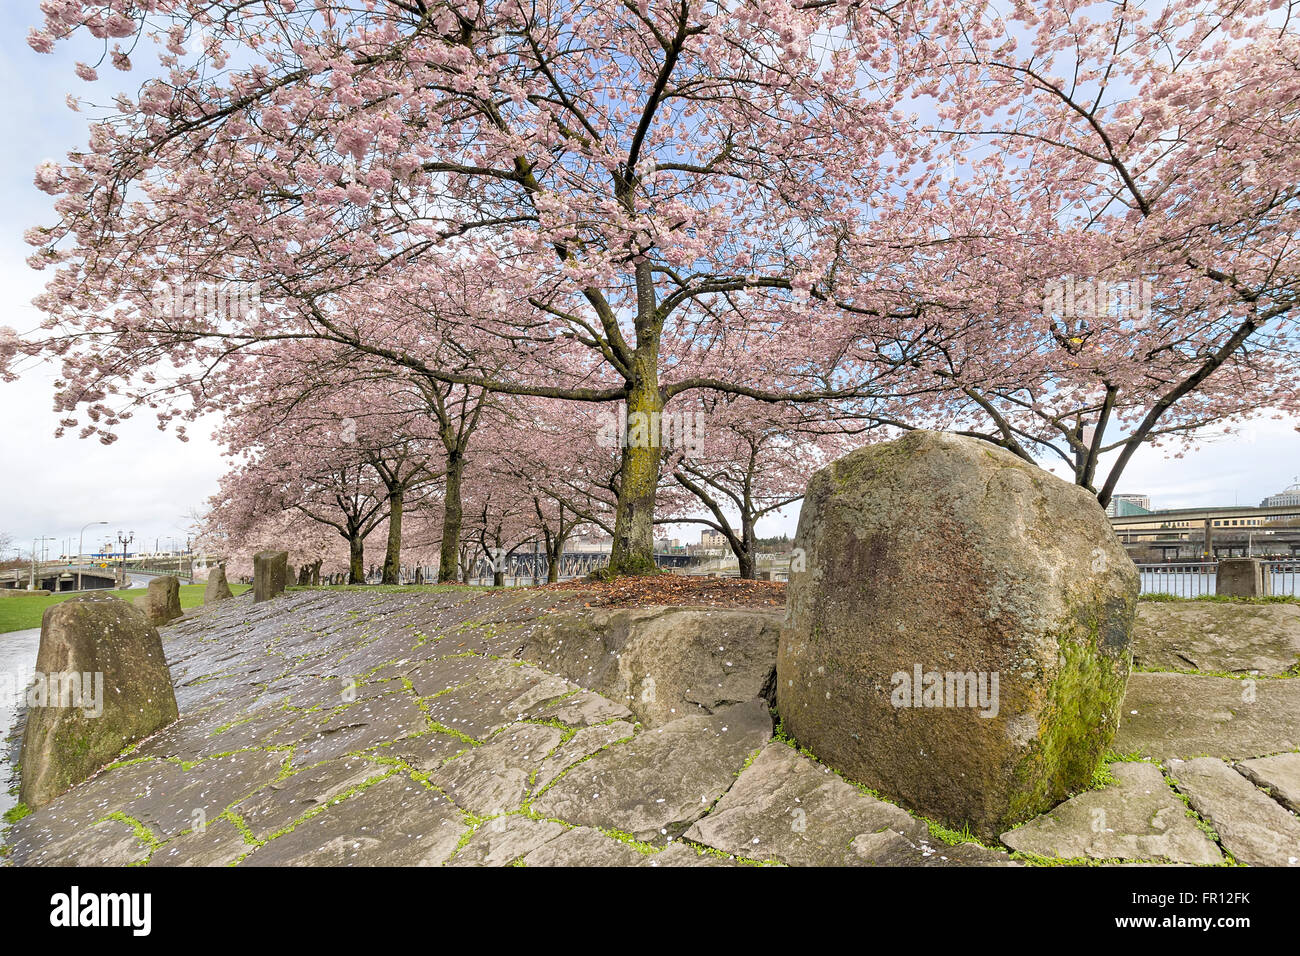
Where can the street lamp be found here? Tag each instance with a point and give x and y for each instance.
(81, 542)
(124, 538)
(37, 543)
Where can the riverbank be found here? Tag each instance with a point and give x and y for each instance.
(19, 612)
(17, 662)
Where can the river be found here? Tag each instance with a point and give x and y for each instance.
(17, 666)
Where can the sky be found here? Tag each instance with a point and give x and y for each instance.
(150, 483)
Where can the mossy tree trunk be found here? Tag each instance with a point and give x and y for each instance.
(633, 549)
(393, 552)
(356, 560)
(452, 518)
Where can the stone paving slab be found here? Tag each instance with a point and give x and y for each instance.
(359, 727)
(1189, 715)
(1255, 829)
(664, 779)
(1278, 774)
(583, 709)
(790, 809)
(497, 696)
(219, 843)
(177, 798)
(106, 843)
(277, 805)
(586, 741)
(506, 839)
(395, 822)
(1138, 817)
(495, 778)
(1214, 636)
(663, 663)
(423, 753)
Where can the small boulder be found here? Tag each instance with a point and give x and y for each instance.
(960, 638)
(270, 574)
(101, 683)
(217, 588)
(662, 662)
(161, 603)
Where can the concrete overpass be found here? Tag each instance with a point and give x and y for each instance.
(1211, 532)
(63, 577)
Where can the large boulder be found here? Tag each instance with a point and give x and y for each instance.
(270, 574)
(217, 588)
(960, 637)
(161, 602)
(101, 683)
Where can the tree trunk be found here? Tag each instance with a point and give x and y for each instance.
(449, 555)
(356, 560)
(633, 550)
(393, 554)
(748, 549)
(554, 554)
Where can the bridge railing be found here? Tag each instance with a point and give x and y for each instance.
(1198, 578)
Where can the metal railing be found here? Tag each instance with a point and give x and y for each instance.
(1286, 577)
(1198, 578)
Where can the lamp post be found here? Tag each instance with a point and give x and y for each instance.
(37, 543)
(124, 539)
(81, 549)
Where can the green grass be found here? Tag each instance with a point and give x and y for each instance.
(1161, 598)
(23, 611)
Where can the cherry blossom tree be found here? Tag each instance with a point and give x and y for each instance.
(1148, 153)
(601, 202)
(634, 178)
(331, 438)
(742, 460)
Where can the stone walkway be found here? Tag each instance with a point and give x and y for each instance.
(369, 727)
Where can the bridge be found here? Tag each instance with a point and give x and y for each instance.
(573, 564)
(64, 577)
(533, 565)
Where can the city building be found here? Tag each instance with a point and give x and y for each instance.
(712, 539)
(1121, 506)
(1286, 498)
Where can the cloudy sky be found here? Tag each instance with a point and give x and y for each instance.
(150, 483)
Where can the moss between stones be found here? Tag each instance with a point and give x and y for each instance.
(1293, 672)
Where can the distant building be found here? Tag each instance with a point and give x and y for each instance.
(1288, 498)
(712, 539)
(1121, 506)
(589, 543)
